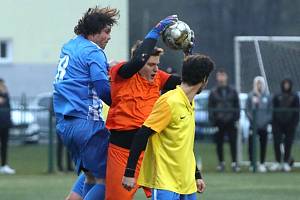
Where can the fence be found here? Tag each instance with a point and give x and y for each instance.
(37, 125)
(205, 129)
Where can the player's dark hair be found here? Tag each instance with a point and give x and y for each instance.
(156, 51)
(196, 68)
(95, 19)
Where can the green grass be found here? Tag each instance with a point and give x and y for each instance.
(32, 182)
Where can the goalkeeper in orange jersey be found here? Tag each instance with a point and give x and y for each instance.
(169, 131)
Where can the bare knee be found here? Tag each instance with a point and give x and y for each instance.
(100, 181)
(73, 196)
(89, 178)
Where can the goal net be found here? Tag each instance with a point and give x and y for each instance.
(273, 57)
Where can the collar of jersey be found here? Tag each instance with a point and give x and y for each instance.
(189, 106)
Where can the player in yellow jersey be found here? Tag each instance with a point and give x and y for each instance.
(169, 165)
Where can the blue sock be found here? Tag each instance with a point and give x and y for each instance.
(79, 185)
(96, 193)
(87, 187)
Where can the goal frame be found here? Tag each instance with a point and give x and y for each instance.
(256, 40)
(237, 65)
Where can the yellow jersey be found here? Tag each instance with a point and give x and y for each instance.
(105, 111)
(169, 161)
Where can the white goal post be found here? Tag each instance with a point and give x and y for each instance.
(273, 57)
(288, 47)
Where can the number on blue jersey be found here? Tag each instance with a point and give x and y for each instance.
(61, 68)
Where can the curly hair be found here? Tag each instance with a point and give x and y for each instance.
(196, 68)
(95, 19)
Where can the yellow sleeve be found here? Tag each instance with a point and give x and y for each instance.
(105, 111)
(160, 116)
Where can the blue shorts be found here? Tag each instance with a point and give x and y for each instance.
(158, 194)
(87, 142)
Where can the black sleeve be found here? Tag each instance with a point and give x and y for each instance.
(139, 59)
(198, 173)
(172, 82)
(138, 145)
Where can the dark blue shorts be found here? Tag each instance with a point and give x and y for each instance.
(87, 142)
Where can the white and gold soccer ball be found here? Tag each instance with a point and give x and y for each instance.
(178, 36)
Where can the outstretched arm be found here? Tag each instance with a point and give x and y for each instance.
(138, 60)
(143, 53)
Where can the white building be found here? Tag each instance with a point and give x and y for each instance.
(32, 33)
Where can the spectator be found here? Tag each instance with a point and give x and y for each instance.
(224, 108)
(284, 123)
(5, 124)
(260, 100)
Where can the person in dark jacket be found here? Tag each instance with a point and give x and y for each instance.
(5, 124)
(260, 100)
(285, 121)
(224, 112)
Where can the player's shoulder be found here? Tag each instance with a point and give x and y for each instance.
(171, 97)
(116, 66)
(162, 74)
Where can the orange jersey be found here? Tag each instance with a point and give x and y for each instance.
(132, 99)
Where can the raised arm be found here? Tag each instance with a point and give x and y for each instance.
(143, 52)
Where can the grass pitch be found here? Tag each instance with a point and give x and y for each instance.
(32, 182)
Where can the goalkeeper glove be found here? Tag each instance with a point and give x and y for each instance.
(189, 49)
(161, 26)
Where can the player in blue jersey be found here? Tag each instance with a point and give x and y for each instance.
(80, 86)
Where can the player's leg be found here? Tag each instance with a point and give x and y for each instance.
(71, 131)
(87, 141)
(94, 158)
(76, 192)
(116, 164)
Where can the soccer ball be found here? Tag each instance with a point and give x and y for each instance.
(178, 36)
